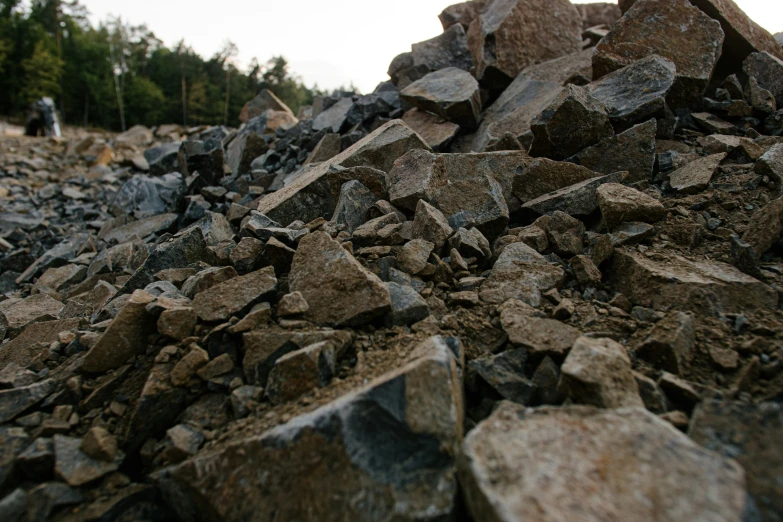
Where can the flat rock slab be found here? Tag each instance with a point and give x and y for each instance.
(308, 196)
(672, 29)
(16, 400)
(77, 468)
(231, 297)
(394, 440)
(581, 463)
(696, 175)
(538, 335)
(21, 312)
(141, 228)
(620, 204)
(26, 346)
(337, 288)
(674, 282)
(435, 130)
(520, 273)
(751, 434)
(768, 71)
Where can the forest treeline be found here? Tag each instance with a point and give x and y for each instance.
(117, 75)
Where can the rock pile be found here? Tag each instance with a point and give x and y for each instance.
(534, 276)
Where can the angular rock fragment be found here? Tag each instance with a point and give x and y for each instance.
(693, 42)
(578, 199)
(75, 467)
(298, 372)
(696, 175)
(598, 372)
(435, 130)
(670, 345)
(450, 49)
(413, 257)
(431, 225)
(767, 71)
(632, 151)
(574, 121)
(534, 464)
(16, 400)
(309, 197)
(451, 93)
(766, 228)
(231, 297)
(407, 306)
(540, 337)
(141, 228)
(463, 13)
(520, 273)
(415, 414)
(21, 312)
(202, 157)
(264, 101)
(671, 281)
(144, 196)
(353, 205)
(125, 337)
(162, 159)
(338, 289)
(771, 163)
(543, 176)
(505, 373)
(620, 204)
(477, 202)
(509, 35)
(636, 92)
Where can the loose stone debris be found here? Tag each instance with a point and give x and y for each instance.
(535, 275)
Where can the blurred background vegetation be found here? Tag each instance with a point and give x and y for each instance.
(116, 75)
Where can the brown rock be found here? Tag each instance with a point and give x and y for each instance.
(266, 100)
(21, 312)
(540, 336)
(520, 273)
(177, 323)
(543, 176)
(99, 444)
(620, 204)
(451, 93)
(509, 35)
(187, 367)
(234, 296)
(292, 304)
(337, 288)
(431, 225)
(696, 175)
(693, 41)
(296, 373)
(435, 130)
(670, 344)
(766, 227)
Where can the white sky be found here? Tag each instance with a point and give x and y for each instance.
(331, 43)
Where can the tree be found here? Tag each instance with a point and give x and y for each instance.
(41, 74)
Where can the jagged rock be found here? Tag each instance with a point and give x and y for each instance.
(450, 92)
(163, 159)
(309, 197)
(264, 101)
(407, 306)
(521, 464)
(505, 374)
(337, 288)
(424, 434)
(475, 202)
(75, 467)
(599, 13)
(771, 163)
(671, 281)
(373, 179)
(509, 35)
(177, 323)
(670, 344)
(431, 225)
(565, 234)
(434, 130)
(450, 49)
(206, 279)
(543, 176)
(14, 506)
(747, 433)
(21, 312)
(179, 252)
(539, 336)
(292, 304)
(46, 498)
(513, 112)
(353, 205)
(99, 444)
(578, 199)
(574, 121)
(463, 13)
(144, 196)
(231, 297)
(693, 42)
(632, 151)
(712, 123)
(415, 177)
(182, 441)
(247, 256)
(263, 347)
(374, 105)
(585, 271)
(413, 257)
(637, 92)
(470, 243)
(298, 372)
(520, 273)
(204, 157)
(630, 233)
(766, 228)
(620, 204)
(186, 368)
(141, 228)
(243, 149)
(125, 337)
(696, 175)
(334, 118)
(214, 227)
(15, 401)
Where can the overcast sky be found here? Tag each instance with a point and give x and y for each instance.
(331, 43)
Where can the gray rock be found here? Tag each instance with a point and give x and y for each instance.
(141, 228)
(543, 176)
(771, 163)
(573, 121)
(353, 205)
(45, 498)
(243, 149)
(521, 464)
(162, 159)
(338, 289)
(334, 118)
(62, 253)
(637, 92)
(144, 196)
(415, 177)
(14, 506)
(505, 373)
(204, 157)
(476, 202)
(413, 478)
(407, 306)
(75, 467)
(693, 43)
(450, 92)
(449, 49)
(264, 101)
(576, 200)
(632, 151)
(16, 401)
(215, 228)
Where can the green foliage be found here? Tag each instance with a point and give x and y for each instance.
(119, 73)
(42, 73)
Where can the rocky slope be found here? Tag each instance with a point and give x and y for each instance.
(535, 276)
